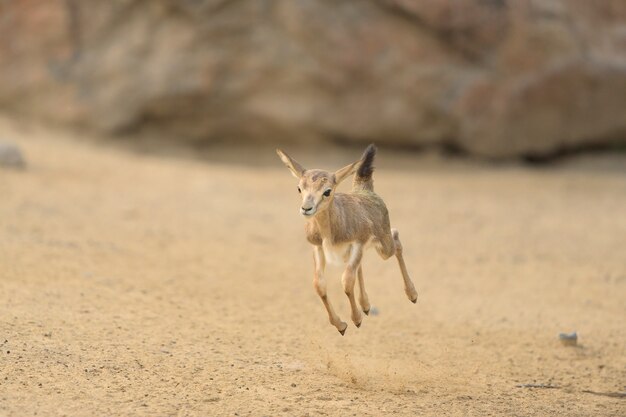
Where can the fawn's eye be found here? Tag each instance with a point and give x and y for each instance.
(299, 190)
(327, 192)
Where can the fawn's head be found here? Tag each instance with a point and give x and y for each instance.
(316, 186)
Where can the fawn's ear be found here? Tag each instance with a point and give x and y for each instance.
(346, 171)
(296, 169)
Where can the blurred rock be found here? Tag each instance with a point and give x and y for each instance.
(11, 156)
(495, 78)
(569, 339)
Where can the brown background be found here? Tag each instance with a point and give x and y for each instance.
(493, 78)
(152, 258)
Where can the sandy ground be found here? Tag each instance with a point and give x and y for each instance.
(134, 284)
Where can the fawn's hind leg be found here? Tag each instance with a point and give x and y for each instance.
(409, 288)
(363, 298)
(390, 245)
(320, 286)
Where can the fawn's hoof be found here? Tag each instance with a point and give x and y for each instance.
(344, 329)
(414, 300)
(359, 324)
(367, 312)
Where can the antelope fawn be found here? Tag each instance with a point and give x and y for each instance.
(340, 226)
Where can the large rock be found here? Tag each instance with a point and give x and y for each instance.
(493, 77)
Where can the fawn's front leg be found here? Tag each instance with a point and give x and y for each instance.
(320, 286)
(349, 278)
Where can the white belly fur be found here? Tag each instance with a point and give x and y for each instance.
(336, 254)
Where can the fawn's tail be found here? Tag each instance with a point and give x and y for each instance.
(363, 179)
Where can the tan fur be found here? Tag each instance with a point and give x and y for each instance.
(342, 226)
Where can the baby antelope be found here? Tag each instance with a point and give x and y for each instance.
(340, 226)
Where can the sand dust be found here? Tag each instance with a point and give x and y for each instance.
(134, 284)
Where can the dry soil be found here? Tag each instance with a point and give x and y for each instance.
(153, 284)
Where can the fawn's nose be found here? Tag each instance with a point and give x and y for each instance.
(306, 210)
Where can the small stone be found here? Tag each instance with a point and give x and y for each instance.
(374, 311)
(293, 385)
(11, 156)
(569, 339)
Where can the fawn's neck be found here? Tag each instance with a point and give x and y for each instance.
(323, 220)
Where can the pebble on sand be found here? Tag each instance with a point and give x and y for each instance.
(11, 156)
(568, 339)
